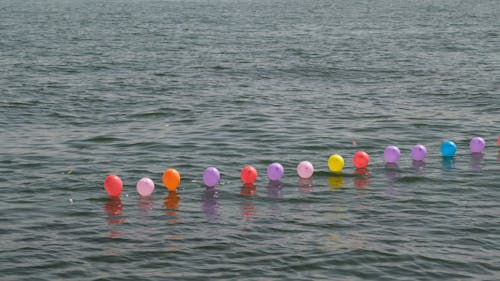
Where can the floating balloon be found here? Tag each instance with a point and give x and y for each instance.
(448, 148)
(113, 185)
(360, 159)
(392, 154)
(418, 152)
(145, 186)
(248, 174)
(171, 179)
(336, 163)
(477, 145)
(275, 171)
(211, 177)
(305, 169)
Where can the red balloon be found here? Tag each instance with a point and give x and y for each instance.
(360, 159)
(248, 174)
(113, 185)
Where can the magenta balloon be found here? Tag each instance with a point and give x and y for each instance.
(391, 154)
(477, 145)
(145, 187)
(275, 171)
(305, 169)
(211, 176)
(418, 152)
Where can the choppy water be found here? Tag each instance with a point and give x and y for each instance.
(133, 87)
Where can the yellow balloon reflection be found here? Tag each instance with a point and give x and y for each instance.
(336, 183)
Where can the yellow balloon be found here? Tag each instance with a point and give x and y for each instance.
(336, 163)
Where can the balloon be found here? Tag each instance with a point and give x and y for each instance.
(418, 152)
(248, 174)
(145, 186)
(477, 145)
(448, 148)
(336, 163)
(211, 177)
(113, 185)
(275, 171)
(391, 154)
(305, 169)
(361, 159)
(171, 179)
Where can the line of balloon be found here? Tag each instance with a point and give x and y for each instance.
(211, 177)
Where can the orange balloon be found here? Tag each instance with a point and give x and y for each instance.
(171, 179)
(113, 185)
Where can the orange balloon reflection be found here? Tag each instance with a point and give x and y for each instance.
(362, 178)
(171, 203)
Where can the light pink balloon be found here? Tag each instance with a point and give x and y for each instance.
(305, 169)
(145, 186)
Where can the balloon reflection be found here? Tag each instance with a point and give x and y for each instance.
(448, 163)
(274, 189)
(418, 167)
(476, 160)
(392, 173)
(336, 183)
(210, 204)
(114, 211)
(171, 204)
(498, 157)
(362, 178)
(306, 185)
(145, 204)
(247, 209)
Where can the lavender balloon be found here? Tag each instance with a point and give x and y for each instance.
(418, 152)
(275, 171)
(211, 177)
(391, 154)
(477, 145)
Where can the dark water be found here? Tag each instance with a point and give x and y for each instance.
(133, 87)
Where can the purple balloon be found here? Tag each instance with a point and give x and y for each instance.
(477, 145)
(391, 154)
(211, 176)
(418, 152)
(275, 171)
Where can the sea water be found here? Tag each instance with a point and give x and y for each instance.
(133, 87)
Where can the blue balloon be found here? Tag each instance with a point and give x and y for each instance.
(448, 148)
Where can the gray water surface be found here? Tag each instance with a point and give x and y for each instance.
(133, 87)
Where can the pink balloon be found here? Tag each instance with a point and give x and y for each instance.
(305, 169)
(145, 186)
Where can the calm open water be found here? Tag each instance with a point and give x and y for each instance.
(133, 87)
